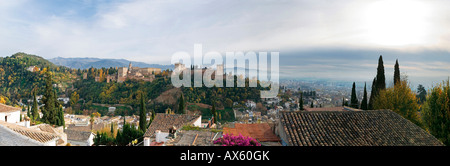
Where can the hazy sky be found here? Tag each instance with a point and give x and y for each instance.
(339, 39)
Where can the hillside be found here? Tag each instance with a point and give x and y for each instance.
(17, 81)
(85, 63)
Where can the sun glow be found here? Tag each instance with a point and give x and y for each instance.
(398, 22)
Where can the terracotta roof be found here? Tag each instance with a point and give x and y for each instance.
(163, 122)
(95, 127)
(77, 135)
(7, 108)
(9, 137)
(195, 138)
(259, 131)
(48, 128)
(353, 128)
(332, 109)
(40, 136)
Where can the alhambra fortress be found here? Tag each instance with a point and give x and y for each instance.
(130, 72)
(146, 74)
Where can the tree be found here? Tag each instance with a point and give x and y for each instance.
(421, 94)
(372, 93)
(312, 104)
(401, 99)
(228, 103)
(50, 109)
(381, 79)
(142, 115)
(354, 99)
(379, 82)
(28, 111)
(74, 98)
(364, 105)
(436, 112)
(181, 105)
(396, 73)
(261, 108)
(34, 109)
(61, 121)
(214, 113)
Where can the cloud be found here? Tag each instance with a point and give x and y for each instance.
(314, 38)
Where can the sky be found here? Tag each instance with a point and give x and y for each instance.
(338, 40)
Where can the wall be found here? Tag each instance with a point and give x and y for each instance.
(13, 117)
(279, 130)
(198, 122)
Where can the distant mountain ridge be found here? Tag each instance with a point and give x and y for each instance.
(85, 63)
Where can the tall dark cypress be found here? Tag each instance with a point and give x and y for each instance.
(381, 79)
(49, 110)
(213, 112)
(396, 73)
(354, 99)
(181, 105)
(364, 100)
(34, 108)
(379, 83)
(142, 115)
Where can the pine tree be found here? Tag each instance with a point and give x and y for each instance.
(396, 73)
(142, 115)
(354, 99)
(364, 100)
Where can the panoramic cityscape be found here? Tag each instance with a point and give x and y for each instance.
(198, 73)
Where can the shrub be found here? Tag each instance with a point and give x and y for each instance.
(230, 140)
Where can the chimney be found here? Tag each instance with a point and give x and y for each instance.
(158, 135)
(27, 122)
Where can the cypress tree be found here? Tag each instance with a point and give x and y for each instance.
(142, 115)
(34, 109)
(312, 104)
(372, 94)
(381, 79)
(181, 105)
(112, 129)
(364, 100)
(213, 112)
(61, 117)
(354, 99)
(396, 73)
(28, 111)
(49, 111)
(379, 82)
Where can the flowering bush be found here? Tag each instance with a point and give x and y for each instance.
(230, 140)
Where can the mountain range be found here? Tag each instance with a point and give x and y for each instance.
(85, 63)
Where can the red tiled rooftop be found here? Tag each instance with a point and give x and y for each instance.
(259, 131)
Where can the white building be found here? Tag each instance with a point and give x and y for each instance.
(160, 129)
(9, 114)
